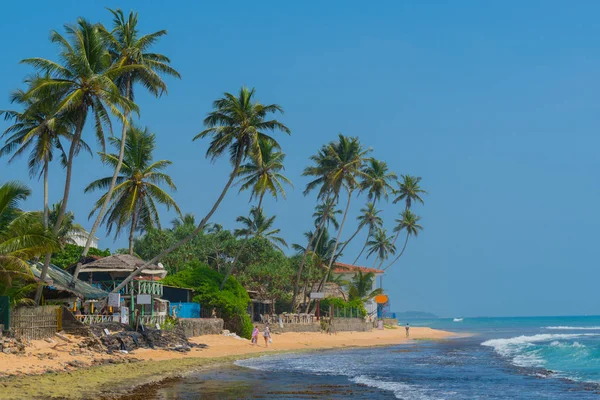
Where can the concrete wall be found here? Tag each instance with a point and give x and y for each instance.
(201, 326)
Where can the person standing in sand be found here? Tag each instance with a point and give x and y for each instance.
(255, 336)
(267, 335)
(407, 327)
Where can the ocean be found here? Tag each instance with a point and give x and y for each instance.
(506, 358)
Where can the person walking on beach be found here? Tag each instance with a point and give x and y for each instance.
(255, 336)
(267, 335)
(407, 327)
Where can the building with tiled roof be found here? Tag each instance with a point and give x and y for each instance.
(347, 272)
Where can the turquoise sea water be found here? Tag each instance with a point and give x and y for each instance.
(506, 358)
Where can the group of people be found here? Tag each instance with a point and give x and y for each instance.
(266, 335)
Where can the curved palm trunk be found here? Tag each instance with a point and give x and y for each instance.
(192, 235)
(337, 241)
(310, 268)
(46, 209)
(131, 232)
(399, 255)
(38, 292)
(111, 188)
(61, 213)
(351, 238)
(303, 262)
(361, 251)
(242, 247)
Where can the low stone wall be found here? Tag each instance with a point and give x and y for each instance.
(340, 325)
(201, 326)
(351, 325)
(390, 321)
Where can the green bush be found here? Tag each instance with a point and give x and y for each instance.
(340, 305)
(232, 301)
(71, 253)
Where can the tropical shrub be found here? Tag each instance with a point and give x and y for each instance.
(340, 306)
(232, 301)
(70, 254)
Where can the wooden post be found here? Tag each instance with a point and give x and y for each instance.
(318, 308)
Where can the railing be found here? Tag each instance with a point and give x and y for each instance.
(95, 319)
(151, 319)
(134, 287)
(288, 318)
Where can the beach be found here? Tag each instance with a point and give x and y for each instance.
(69, 372)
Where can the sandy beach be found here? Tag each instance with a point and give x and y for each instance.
(70, 372)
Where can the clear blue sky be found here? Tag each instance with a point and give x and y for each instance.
(495, 104)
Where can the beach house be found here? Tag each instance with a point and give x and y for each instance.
(142, 297)
(345, 272)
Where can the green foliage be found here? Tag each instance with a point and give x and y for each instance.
(340, 305)
(232, 301)
(70, 255)
(169, 324)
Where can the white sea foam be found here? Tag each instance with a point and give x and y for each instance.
(519, 349)
(564, 345)
(400, 390)
(573, 328)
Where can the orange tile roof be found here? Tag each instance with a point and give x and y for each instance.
(341, 268)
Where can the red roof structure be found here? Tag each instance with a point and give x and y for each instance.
(341, 268)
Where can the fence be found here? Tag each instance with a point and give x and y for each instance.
(35, 323)
(343, 312)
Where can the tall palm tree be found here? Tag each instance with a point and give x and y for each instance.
(381, 245)
(22, 237)
(262, 175)
(410, 223)
(325, 215)
(369, 217)
(37, 129)
(130, 53)
(85, 80)
(236, 125)
(137, 193)
(409, 191)
(259, 225)
(361, 285)
(337, 165)
(376, 180)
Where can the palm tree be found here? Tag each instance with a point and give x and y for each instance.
(262, 175)
(137, 192)
(85, 82)
(22, 238)
(361, 285)
(39, 130)
(409, 190)
(236, 125)
(410, 223)
(187, 219)
(325, 215)
(369, 217)
(68, 228)
(265, 176)
(376, 180)
(381, 245)
(258, 225)
(130, 53)
(337, 165)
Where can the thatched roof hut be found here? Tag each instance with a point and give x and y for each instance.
(119, 266)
